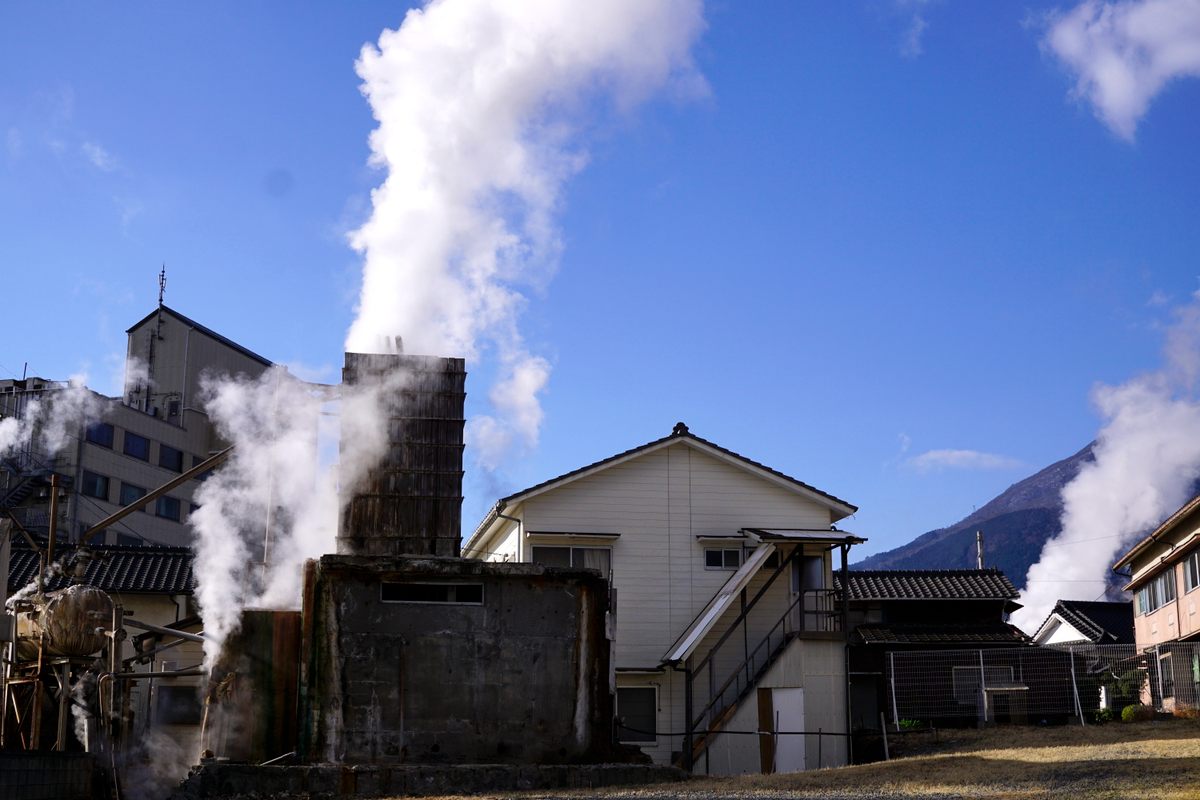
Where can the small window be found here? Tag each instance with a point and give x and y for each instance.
(131, 493)
(101, 434)
(137, 446)
(197, 461)
(167, 508)
(177, 705)
(1191, 572)
(715, 558)
(170, 458)
(94, 485)
(459, 593)
(1156, 593)
(597, 558)
(637, 714)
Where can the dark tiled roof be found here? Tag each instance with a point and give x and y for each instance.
(925, 634)
(115, 568)
(928, 584)
(680, 432)
(205, 330)
(1100, 622)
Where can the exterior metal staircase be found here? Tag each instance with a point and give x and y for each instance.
(810, 611)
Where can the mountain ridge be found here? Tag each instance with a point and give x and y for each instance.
(1015, 524)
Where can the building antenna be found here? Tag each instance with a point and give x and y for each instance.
(162, 283)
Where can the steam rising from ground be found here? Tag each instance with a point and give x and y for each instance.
(1147, 458)
(275, 503)
(477, 102)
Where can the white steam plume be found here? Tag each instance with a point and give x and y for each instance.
(477, 102)
(273, 504)
(1125, 53)
(1147, 458)
(50, 422)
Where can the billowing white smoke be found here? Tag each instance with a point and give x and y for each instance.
(1147, 458)
(477, 102)
(53, 421)
(273, 504)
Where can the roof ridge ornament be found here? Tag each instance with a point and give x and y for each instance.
(680, 429)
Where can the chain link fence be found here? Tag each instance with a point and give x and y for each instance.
(1037, 684)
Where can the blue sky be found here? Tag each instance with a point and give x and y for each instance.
(888, 228)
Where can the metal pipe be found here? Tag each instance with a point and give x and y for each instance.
(146, 626)
(155, 651)
(53, 518)
(150, 497)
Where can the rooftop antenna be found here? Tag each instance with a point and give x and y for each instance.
(162, 283)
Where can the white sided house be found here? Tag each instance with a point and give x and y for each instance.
(729, 643)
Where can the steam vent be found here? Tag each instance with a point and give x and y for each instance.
(411, 504)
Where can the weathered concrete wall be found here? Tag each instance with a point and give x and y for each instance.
(515, 671)
(39, 775)
(234, 782)
(252, 696)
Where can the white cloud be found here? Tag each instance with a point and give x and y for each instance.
(1123, 54)
(101, 159)
(961, 459)
(911, 45)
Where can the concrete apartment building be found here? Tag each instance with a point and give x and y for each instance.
(725, 614)
(150, 435)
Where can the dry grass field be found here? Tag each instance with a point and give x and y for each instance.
(1159, 760)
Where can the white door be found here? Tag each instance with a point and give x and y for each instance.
(788, 705)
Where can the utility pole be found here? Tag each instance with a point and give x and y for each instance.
(978, 549)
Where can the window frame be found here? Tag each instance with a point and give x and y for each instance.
(106, 441)
(451, 587)
(129, 437)
(652, 740)
(1191, 571)
(164, 501)
(725, 552)
(84, 481)
(1157, 592)
(121, 495)
(163, 450)
(571, 548)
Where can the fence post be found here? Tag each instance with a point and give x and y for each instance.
(883, 730)
(1075, 689)
(1158, 672)
(892, 678)
(983, 690)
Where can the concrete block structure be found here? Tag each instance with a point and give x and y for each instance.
(442, 660)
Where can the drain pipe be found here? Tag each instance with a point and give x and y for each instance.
(520, 530)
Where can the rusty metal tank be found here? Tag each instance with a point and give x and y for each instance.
(69, 620)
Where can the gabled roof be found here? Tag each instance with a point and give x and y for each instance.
(934, 633)
(1166, 526)
(114, 568)
(679, 435)
(203, 329)
(928, 584)
(1098, 621)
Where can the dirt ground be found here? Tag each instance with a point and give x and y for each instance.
(1159, 760)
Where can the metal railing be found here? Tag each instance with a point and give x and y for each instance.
(811, 611)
